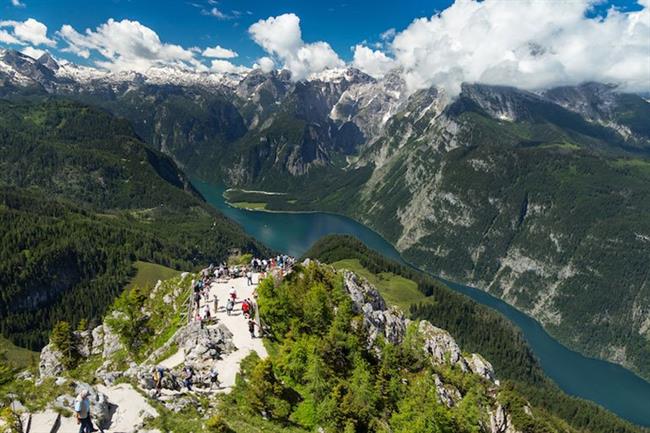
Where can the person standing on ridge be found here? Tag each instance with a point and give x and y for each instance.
(245, 307)
(251, 327)
(82, 409)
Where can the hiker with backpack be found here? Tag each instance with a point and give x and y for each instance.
(251, 327)
(197, 300)
(214, 378)
(215, 304)
(230, 305)
(249, 278)
(157, 376)
(245, 308)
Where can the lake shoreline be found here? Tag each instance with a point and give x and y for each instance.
(612, 386)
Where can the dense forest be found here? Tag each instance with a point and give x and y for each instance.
(479, 329)
(81, 199)
(322, 372)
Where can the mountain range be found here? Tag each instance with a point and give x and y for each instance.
(539, 197)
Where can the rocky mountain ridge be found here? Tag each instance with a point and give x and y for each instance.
(118, 384)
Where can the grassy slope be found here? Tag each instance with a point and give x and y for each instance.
(17, 356)
(248, 205)
(148, 274)
(396, 290)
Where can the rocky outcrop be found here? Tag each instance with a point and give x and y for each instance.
(480, 366)
(500, 421)
(203, 344)
(441, 346)
(390, 324)
(51, 362)
(380, 320)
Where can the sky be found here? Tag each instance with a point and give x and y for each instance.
(527, 43)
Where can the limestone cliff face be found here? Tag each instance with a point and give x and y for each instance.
(528, 196)
(389, 324)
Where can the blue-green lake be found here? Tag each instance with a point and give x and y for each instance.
(604, 383)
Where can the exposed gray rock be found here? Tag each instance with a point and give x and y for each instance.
(25, 375)
(378, 319)
(500, 421)
(84, 343)
(50, 364)
(177, 404)
(441, 346)
(112, 343)
(98, 340)
(448, 394)
(204, 344)
(480, 366)
(108, 377)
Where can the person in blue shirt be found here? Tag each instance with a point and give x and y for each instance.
(82, 408)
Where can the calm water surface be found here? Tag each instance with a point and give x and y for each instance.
(607, 384)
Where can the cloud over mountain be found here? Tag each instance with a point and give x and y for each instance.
(25, 32)
(527, 43)
(281, 37)
(530, 44)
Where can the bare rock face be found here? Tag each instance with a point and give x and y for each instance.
(441, 346)
(97, 340)
(447, 394)
(500, 421)
(51, 362)
(111, 342)
(84, 343)
(480, 366)
(391, 324)
(378, 319)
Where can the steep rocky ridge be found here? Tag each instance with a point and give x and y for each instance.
(121, 389)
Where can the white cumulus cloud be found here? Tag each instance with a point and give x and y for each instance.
(281, 37)
(372, 62)
(527, 43)
(25, 32)
(224, 66)
(32, 52)
(266, 64)
(127, 45)
(219, 52)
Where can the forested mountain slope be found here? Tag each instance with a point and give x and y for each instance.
(82, 199)
(542, 203)
(477, 328)
(537, 197)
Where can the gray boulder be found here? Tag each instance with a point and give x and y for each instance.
(97, 340)
(112, 343)
(204, 344)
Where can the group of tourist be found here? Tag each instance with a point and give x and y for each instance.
(201, 303)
